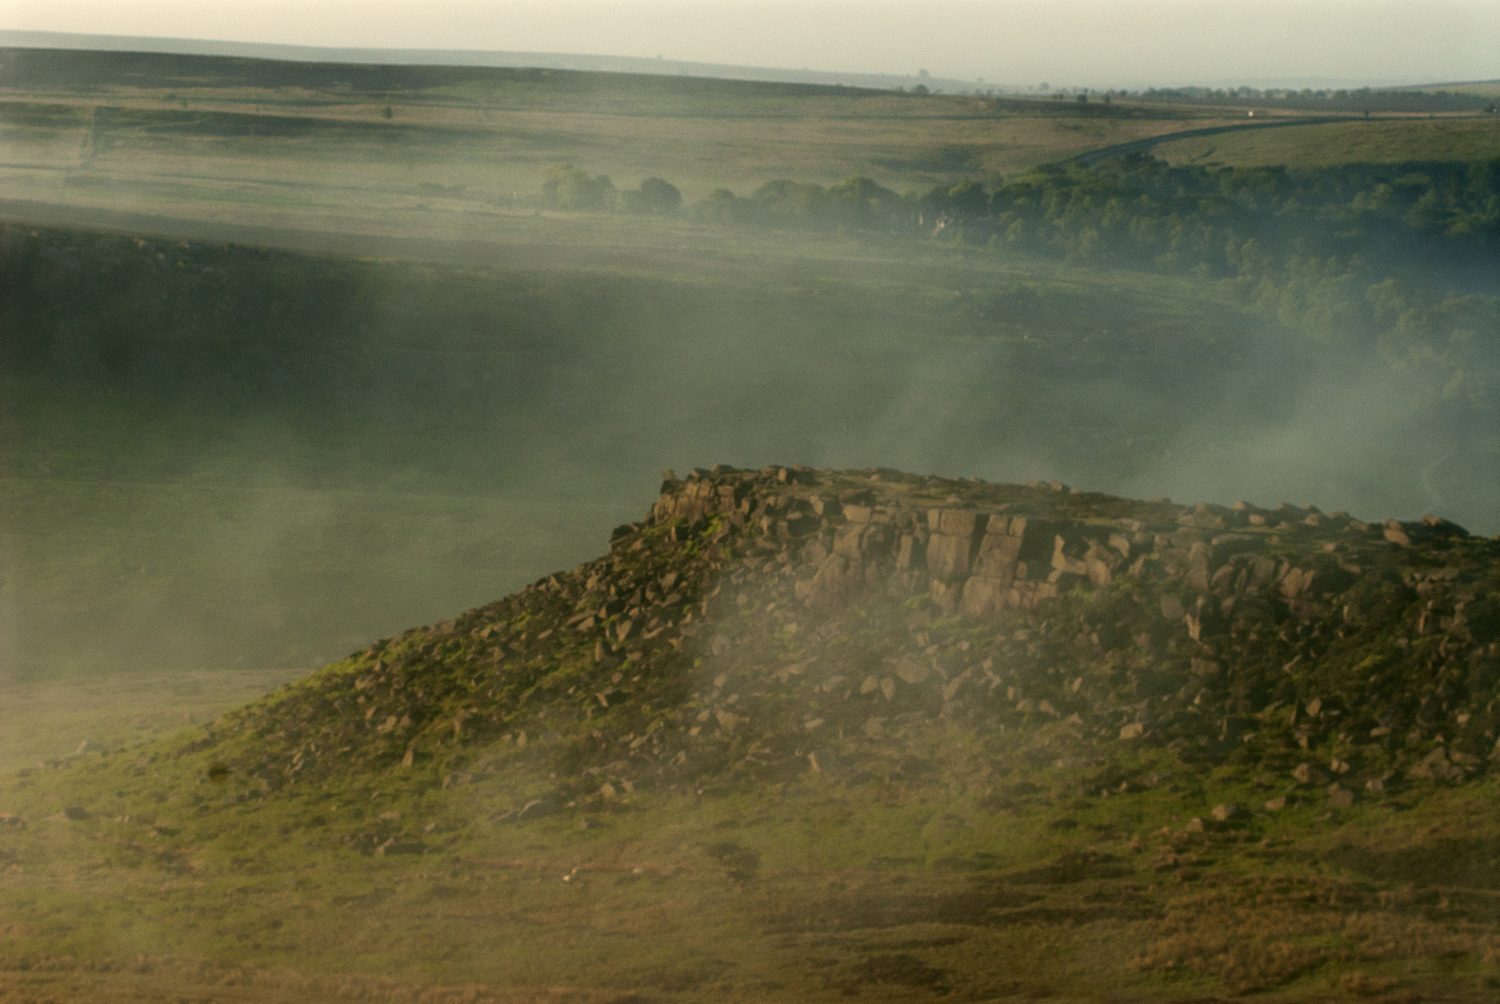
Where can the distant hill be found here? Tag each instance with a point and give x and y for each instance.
(477, 58)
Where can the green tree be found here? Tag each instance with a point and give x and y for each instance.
(567, 187)
(656, 195)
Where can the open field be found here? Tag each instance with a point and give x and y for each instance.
(1376, 142)
(243, 140)
(306, 137)
(920, 899)
(239, 167)
(51, 719)
(1483, 88)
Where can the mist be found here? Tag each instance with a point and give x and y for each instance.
(403, 442)
(603, 534)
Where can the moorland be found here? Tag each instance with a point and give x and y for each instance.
(296, 357)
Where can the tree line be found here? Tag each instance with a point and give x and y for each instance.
(1403, 259)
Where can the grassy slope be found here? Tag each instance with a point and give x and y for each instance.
(1484, 88)
(933, 857)
(193, 483)
(43, 720)
(234, 141)
(224, 143)
(1377, 142)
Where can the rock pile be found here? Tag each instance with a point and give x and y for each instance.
(759, 622)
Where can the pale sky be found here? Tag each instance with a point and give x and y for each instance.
(1094, 43)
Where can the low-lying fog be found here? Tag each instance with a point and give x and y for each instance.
(260, 460)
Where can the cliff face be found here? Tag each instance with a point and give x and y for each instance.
(760, 622)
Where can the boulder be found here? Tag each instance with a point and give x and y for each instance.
(1226, 813)
(1306, 773)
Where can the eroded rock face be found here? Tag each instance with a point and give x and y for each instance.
(784, 618)
(1009, 547)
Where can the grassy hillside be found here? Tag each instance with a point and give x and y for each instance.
(812, 735)
(218, 456)
(226, 139)
(50, 719)
(1391, 141)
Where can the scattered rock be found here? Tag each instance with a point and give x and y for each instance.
(547, 805)
(1306, 773)
(1226, 812)
(1358, 984)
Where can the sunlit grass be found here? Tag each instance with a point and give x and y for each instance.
(1388, 141)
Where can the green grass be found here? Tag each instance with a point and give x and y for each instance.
(1378, 141)
(50, 719)
(220, 139)
(1483, 88)
(808, 889)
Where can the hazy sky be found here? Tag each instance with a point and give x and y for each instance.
(1096, 43)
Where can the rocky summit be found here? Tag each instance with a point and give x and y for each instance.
(763, 623)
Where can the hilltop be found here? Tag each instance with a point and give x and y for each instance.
(753, 616)
(807, 734)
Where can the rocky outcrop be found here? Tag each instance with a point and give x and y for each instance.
(1012, 547)
(753, 616)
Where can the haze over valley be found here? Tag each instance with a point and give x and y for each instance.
(873, 541)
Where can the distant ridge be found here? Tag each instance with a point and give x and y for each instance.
(473, 57)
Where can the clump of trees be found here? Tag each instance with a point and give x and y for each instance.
(655, 196)
(1402, 258)
(566, 186)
